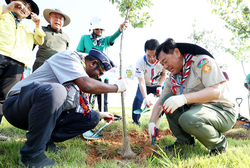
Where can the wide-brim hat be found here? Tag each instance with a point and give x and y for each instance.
(46, 13)
(105, 60)
(34, 7)
(192, 49)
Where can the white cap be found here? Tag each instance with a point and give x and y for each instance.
(96, 23)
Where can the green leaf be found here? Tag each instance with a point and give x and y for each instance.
(221, 4)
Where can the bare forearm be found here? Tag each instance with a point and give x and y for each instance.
(156, 111)
(93, 86)
(142, 87)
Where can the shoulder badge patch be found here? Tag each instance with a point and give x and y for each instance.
(206, 69)
(202, 62)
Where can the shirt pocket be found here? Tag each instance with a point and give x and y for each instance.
(194, 85)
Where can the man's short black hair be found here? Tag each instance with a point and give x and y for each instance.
(151, 44)
(167, 47)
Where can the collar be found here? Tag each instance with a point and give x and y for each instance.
(16, 18)
(56, 31)
(95, 36)
(150, 65)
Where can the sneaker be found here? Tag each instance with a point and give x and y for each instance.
(190, 142)
(53, 148)
(40, 160)
(215, 152)
(4, 138)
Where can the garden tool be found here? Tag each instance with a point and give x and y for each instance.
(140, 111)
(239, 101)
(152, 99)
(153, 137)
(242, 120)
(90, 135)
(158, 122)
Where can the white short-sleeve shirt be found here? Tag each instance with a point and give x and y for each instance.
(150, 72)
(60, 68)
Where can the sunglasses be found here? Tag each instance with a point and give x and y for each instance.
(99, 29)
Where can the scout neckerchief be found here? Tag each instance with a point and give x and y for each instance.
(84, 97)
(152, 70)
(97, 39)
(188, 58)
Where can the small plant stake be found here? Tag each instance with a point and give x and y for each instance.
(129, 7)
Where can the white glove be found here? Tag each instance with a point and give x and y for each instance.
(122, 85)
(158, 90)
(107, 116)
(151, 129)
(172, 103)
(145, 102)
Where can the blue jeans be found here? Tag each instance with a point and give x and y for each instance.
(138, 100)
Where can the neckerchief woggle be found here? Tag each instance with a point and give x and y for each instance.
(84, 97)
(97, 39)
(152, 70)
(188, 58)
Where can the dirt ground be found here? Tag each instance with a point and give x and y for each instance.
(110, 145)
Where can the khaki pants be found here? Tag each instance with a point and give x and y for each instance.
(205, 121)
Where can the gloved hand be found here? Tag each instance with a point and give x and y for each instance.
(146, 102)
(106, 116)
(172, 103)
(158, 90)
(151, 129)
(122, 85)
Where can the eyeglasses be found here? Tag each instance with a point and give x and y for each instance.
(27, 5)
(102, 71)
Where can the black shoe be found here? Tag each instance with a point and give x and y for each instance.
(53, 148)
(139, 124)
(40, 160)
(190, 142)
(215, 152)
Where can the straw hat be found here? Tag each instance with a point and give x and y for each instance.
(46, 13)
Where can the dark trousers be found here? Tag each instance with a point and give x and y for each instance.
(10, 73)
(39, 109)
(36, 65)
(138, 100)
(99, 99)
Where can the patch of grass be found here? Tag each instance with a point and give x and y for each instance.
(136, 149)
(78, 149)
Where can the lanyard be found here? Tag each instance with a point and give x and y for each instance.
(181, 87)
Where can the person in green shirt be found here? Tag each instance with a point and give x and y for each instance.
(246, 82)
(99, 41)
